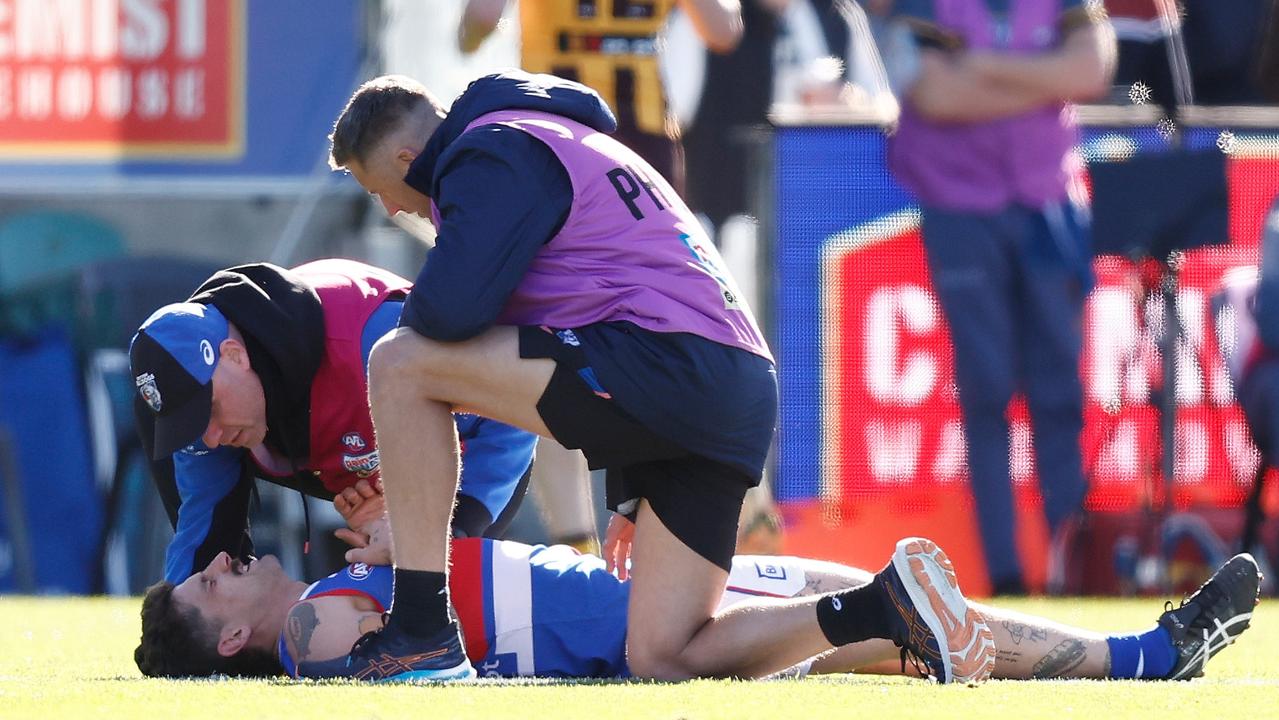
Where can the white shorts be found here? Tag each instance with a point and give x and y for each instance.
(760, 576)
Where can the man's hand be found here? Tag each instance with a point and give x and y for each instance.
(617, 546)
(376, 549)
(362, 505)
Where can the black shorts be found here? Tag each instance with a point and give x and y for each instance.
(696, 498)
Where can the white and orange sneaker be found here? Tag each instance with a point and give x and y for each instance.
(932, 622)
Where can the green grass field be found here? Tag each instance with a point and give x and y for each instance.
(74, 659)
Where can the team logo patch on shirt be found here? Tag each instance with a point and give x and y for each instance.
(353, 442)
(150, 393)
(362, 465)
(770, 571)
(358, 571)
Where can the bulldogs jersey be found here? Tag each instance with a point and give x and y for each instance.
(524, 610)
(532, 610)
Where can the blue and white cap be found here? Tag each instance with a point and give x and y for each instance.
(173, 356)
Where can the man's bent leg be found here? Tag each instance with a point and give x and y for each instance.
(414, 385)
(671, 634)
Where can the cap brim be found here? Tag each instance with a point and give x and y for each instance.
(185, 425)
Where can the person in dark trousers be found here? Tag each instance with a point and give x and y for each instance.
(983, 143)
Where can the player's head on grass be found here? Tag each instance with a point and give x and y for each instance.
(223, 620)
(382, 129)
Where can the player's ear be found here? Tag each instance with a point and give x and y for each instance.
(233, 350)
(232, 639)
(406, 155)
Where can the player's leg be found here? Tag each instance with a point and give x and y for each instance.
(1031, 647)
(679, 572)
(673, 632)
(414, 386)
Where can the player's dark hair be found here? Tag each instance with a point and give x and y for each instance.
(375, 110)
(178, 642)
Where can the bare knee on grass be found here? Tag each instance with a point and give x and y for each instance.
(674, 593)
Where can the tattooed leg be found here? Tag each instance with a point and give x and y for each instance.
(1028, 647)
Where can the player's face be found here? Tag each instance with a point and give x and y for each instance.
(239, 407)
(382, 174)
(229, 592)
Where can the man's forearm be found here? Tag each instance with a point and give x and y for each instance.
(479, 19)
(950, 91)
(1081, 70)
(718, 22)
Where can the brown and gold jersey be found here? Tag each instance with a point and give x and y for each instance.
(610, 45)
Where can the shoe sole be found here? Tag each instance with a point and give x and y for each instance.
(966, 643)
(459, 673)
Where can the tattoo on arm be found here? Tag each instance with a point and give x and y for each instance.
(1067, 656)
(300, 626)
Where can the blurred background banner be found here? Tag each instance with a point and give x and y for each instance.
(92, 92)
(871, 444)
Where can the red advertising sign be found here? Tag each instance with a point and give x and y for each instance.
(106, 79)
(892, 422)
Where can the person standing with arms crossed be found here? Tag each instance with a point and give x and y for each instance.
(984, 142)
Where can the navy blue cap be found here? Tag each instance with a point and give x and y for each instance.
(173, 356)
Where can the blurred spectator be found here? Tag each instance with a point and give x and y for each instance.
(1223, 45)
(611, 45)
(1253, 357)
(1268, 73)
(818, 54)
(983, 142)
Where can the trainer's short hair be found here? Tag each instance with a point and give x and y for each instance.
(375, 110)
(178, 642)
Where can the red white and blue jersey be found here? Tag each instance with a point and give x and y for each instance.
(533, 610)
(524, 609)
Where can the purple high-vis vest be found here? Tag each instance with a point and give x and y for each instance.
(630, 249)
(988, 165)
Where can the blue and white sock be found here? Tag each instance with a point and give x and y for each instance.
(1147, 655)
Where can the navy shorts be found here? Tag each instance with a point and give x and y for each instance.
(697, 498)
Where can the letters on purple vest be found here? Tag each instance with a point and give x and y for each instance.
(630, 249)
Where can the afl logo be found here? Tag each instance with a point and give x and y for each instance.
(353, 442)
(358, 571)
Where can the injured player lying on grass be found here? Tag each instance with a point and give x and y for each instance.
(551, 612)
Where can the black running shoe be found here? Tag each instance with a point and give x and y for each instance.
(1211, 618)
(389, 655)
